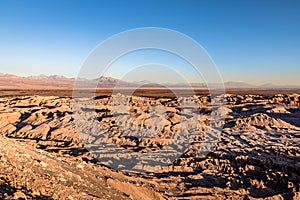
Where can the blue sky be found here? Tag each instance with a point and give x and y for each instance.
(251, 41)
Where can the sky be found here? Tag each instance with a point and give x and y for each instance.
(250, 41)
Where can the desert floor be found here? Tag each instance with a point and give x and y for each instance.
(256, 154)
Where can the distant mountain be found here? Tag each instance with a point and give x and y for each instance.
(10, 81)
(51, 77)
(232, 84)
(8, 75)
(273, 86)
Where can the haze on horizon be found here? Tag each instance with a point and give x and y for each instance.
(250, 41)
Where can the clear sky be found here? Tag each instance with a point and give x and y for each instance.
(251, 41)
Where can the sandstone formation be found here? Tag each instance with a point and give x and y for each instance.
(256, 154)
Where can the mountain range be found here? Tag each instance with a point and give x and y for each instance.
(10, 81)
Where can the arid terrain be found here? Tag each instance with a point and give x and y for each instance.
(257, 153)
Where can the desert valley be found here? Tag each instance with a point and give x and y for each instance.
(257, 152)
(149, 100)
